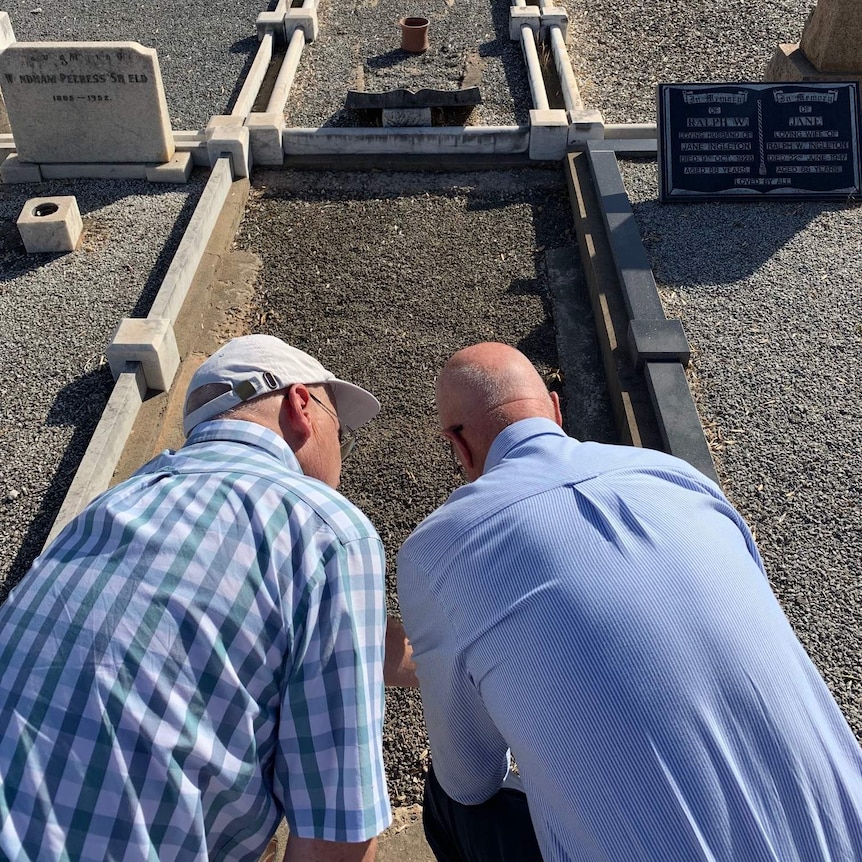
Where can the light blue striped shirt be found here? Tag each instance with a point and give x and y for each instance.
(603, 612)
(198, 652)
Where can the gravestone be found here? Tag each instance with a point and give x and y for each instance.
(830, 48)
(85, 102)
(752, 141)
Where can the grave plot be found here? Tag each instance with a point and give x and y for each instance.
(358, 47)
(384, 276)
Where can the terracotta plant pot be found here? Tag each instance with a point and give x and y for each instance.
(414, 35)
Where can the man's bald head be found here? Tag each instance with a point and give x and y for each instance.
(485, 388)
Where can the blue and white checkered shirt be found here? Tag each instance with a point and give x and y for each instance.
(603, 611)
(198, 653)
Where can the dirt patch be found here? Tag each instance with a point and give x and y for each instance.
(383, 276)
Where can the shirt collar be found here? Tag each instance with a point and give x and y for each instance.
(517, 433)
(247, 433)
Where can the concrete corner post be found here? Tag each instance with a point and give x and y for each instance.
(150, 342)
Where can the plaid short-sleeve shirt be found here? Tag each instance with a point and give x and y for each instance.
(199, 652)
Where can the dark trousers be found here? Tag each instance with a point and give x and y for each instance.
(499, 830)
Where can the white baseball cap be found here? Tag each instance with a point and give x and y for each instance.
(253, 365)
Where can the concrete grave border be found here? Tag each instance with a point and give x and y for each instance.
(644, 353)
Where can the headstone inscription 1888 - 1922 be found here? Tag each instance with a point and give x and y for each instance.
(85, 102)
(755, 141)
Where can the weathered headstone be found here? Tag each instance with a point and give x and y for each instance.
(832, 38)
(830, 48)
(85, 102)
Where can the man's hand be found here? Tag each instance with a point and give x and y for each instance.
(398, 666)
(315, 850)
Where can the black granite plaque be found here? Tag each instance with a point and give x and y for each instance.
(756, 141)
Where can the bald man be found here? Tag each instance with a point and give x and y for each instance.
(602, 611)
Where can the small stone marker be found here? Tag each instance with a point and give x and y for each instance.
(758, 141)
(50, 224)
(400, 117)
(85, 102)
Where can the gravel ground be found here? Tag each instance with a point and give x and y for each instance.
(770, 298)
(622, 48)
(204, 48)
(57, 316)
(384, 276)
(359, 48)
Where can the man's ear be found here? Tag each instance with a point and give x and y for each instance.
(462, 450)
(293, 416)
(558, 414)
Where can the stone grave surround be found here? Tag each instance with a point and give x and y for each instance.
(92, 109)
(830, 48)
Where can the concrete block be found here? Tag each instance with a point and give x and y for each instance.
(150, 342)
(50, 224)
(521, 15)
(265, 131)
(658, 341)
(227, 136)
(679, 425)
(637, 283)
(436, 140)
(549, 133)
(195, 146)
(220, 121)
(94, 171)
(7, 34)
(301, 19)
(585, 125)
(177, 170)
(406, 117)
(13, 170)
(555, 16)
(789, 63)
(270, 22)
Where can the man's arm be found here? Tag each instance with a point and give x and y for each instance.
(398, 666)
(316, 850)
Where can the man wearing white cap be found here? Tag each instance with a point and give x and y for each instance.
(201, 651)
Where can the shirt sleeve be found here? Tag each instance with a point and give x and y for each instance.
(329, 767)
(469, 754)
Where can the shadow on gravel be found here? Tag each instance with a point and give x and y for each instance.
(387, 60)
(80, 406)
(721, 243)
